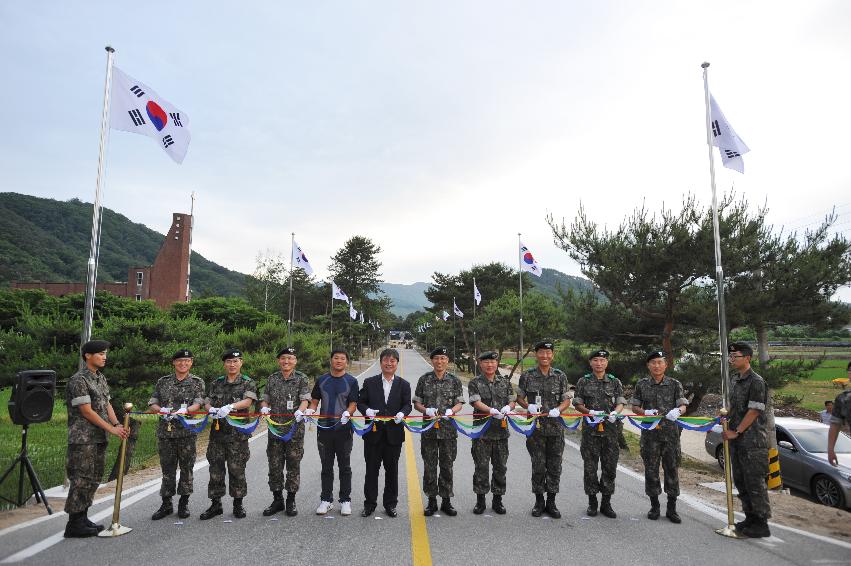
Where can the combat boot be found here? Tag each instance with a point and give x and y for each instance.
(277, 504)
(90, 523)
(183, 507)
(606, 507)
(446, 507)
(480, 505)
(238, 509)
(165, 510)
(653, 514)
(431, 508)
(538, 509)
(757, 529)
(497, 505)
(671, 511)
(746, 523)
(214, 509)
(592, 505)
(292, 510)
(551, 508)
(77, 527)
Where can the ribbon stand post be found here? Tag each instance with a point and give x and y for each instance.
(116, 529)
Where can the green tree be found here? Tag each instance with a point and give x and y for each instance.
(265, 288)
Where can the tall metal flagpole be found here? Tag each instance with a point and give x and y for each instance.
(475, 343)
(332, 317)
(454, 347)
(290, 306)
(520, 355)
(94, 249)
(730, 529)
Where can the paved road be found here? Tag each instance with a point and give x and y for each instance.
(412, 538)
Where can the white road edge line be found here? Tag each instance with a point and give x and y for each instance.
(717, 513)
(149, 488)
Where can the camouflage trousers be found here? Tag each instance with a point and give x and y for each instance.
(602, 449)
(285, 455)
(174, 453)
(546, 453)
(750, 466)
(233, 454)
(438, 452)
(656, 447)
(487, 452)
(84, 465)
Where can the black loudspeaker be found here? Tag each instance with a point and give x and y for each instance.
(32, 396)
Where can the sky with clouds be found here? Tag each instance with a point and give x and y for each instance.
(438, 129)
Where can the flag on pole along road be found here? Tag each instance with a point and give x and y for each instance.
(353, 314)
(527, 261)
(300, 260)
(445, 316)
(724, 137)
(457, 311)
(476, 295)
(361, 317)
(337, 293)
(137, 108)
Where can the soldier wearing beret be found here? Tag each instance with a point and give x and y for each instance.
(438, 394)
(287, 393)
(544, 391)
(490, 394)
(659, 394)
(746, 433)
(233, 392)
(90, 418)
(599, 394)
(176, 394)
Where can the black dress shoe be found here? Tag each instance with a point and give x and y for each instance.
(390, 511)
(497, 505)
(214, 509)
(165, 510)
(446, 507)
(431, 508)
(238, 509)
(367, 510)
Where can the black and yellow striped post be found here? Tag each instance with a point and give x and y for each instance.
(774, 479)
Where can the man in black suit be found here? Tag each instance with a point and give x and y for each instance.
(384, 395)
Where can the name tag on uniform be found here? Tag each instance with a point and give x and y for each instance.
(538, 400)
(289, 404)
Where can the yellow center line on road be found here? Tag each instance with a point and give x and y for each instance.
(420, 547)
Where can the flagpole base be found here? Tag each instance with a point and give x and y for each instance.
(729, 532)
(115, 530)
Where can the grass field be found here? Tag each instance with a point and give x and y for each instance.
(47, 442)
(528, 362)
(818, 387)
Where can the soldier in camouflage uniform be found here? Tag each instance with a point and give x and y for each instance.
(841, 415)
(439, 393)
(90, 418)
(287, 393)
(659, 394)
(234, 392)
(487, 391)
(544, 391)
(600, 394)
(177, 394)
(746, 434)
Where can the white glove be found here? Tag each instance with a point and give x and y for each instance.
(225, 411)
(494, 412)
(673, 414)
(399, 416)
(182, 410)
(265, 410)
(650, 412)
(214, 411)
(554, 412)
(595, 413)
(309, 412)
(448, 413)
(165, 410)
(344, 418)
(532, 408)
(613, 416)
(299, 415)
(371, 412)
(431, 411)
(717, 429)
(505, 410)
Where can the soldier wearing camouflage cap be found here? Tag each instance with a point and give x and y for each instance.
(179, 393)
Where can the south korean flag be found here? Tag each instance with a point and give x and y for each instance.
(137, 108)
(725, 138)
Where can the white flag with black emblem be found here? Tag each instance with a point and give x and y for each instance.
(457, 311)
(725, 138)
(300, 259)
(353, 314)
(337, 293)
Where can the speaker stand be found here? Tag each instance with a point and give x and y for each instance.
(26, 466)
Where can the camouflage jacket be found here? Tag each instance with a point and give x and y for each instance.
(749, 392)
(86, 388)
(841, 414)
(172, 392)
(222, 393)
(441, 394)
(546, 391)
(599, 395)
(663, 397)
(283, 395)
(496, 394)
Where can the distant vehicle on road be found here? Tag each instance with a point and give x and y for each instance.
(802, 445)
(400, 339)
